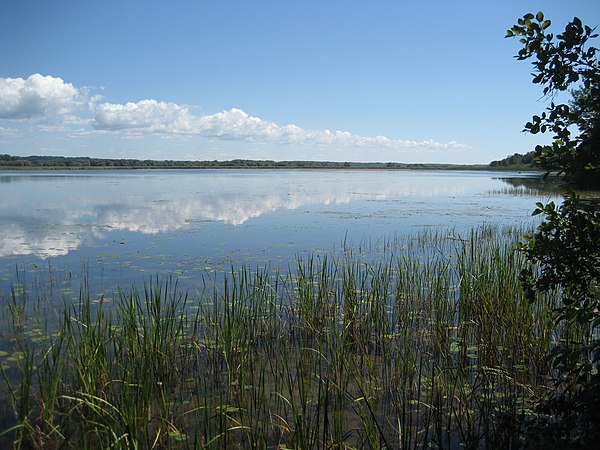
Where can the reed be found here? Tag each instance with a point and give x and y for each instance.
(424, 341)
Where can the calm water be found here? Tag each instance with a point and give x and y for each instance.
(122, 226)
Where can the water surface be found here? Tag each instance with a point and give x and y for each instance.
(125, 225)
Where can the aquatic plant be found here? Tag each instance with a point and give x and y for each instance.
(404, 343)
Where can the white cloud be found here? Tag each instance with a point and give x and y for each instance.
(237, 124)
(146, 116)
(38, 97)
(151, 116)
(52, 103)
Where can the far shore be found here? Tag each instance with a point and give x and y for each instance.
(32, 163)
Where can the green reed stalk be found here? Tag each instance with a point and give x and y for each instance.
(399, 343)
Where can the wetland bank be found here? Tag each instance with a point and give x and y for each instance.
(269, 309)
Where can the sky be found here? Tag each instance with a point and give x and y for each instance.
(328, 80)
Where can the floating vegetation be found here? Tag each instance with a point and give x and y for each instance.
(408, 343)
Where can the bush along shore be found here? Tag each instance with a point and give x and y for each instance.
(432, 344)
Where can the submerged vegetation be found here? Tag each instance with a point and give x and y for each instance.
(420, 342)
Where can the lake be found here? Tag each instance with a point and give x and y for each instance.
(268, 359)
(120, 227)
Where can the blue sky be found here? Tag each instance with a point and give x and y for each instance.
(426, 81)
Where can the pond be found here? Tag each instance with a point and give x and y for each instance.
(127, 225)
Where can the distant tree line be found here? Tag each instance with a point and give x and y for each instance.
(517, 161)
(84, 162)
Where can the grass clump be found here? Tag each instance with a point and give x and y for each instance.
(426, 341)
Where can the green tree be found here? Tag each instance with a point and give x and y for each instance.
(564, 253)
(564, 257)
(565, 62)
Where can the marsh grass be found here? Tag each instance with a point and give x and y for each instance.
(419, 342)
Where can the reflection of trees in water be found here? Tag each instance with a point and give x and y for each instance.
(42, 177)
(7, 179)
(539, 186)
(533, 186)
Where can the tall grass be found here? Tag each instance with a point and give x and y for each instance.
(408, 343)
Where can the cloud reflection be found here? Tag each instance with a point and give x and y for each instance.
(76, 210)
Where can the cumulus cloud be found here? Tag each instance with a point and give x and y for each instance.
(50, 100)
(38, 97)
(151, 116)
(147, 116)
